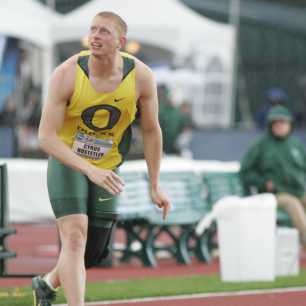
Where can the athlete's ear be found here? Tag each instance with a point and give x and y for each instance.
(122, 42)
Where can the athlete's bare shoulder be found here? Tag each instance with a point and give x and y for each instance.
(144, 77)
(67, 68)
(142, 68)
(63, 77)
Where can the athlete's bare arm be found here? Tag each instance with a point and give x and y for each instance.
(61, 87)
(152, 137)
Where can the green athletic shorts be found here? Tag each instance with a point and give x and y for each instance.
(71, 192)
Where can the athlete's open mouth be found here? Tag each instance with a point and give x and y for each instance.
(96, 45)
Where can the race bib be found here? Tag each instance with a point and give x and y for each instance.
(91, 147)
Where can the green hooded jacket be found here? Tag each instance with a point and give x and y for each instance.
(281, 160)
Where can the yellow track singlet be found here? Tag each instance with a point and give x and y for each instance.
(97, 125)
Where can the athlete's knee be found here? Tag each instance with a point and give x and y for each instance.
(74, 240)
(73, 232)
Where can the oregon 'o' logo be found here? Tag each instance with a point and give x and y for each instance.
(89, 114)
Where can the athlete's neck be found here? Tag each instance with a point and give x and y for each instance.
(104, 66)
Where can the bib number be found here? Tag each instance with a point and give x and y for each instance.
(91, 147)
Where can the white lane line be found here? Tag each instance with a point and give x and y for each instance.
(195, 296)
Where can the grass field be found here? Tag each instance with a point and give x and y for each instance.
(150, 287)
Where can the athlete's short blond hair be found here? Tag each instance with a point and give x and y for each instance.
(121, 24)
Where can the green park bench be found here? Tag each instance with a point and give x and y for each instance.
(188, 206)
(143, 223)
(5, 254)
(134, 206)
(221, 184)
(6, 231)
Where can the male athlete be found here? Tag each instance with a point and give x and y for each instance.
(85, 128)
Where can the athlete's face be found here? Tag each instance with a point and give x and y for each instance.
(281, 128)
(104, 36)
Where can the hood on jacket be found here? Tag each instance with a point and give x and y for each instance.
(279, 112)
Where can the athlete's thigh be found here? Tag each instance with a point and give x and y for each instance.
(287, 200)
(303, 201)
(68, 189)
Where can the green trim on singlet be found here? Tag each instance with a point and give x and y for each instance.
(83, 63)
(125, 143)
(128, 65)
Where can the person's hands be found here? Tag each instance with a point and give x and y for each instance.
(107, 179)
(270, 186)
(161, 200)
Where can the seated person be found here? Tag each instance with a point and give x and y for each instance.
(276, 163)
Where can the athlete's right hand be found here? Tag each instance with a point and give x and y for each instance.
(107, 179)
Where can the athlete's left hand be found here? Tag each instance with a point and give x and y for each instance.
(161, 200)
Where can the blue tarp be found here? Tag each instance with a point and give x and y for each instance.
(3, 40)
(7, 142)
(8, 70)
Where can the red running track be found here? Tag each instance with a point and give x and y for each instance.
(284, 299)
(37, 250)
(36, 246)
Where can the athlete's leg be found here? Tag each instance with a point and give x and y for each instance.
(303, 200)
(70, 269)
(68, 191)
(294, 207)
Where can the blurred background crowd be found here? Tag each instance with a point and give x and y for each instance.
(212, 95)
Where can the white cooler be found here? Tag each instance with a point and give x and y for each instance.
(246, 235)
(287, 252)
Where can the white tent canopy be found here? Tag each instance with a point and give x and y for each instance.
(28, 20)
(165, 23)
(31, 21)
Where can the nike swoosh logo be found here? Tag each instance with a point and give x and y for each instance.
(118, 100)
(104, 200)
